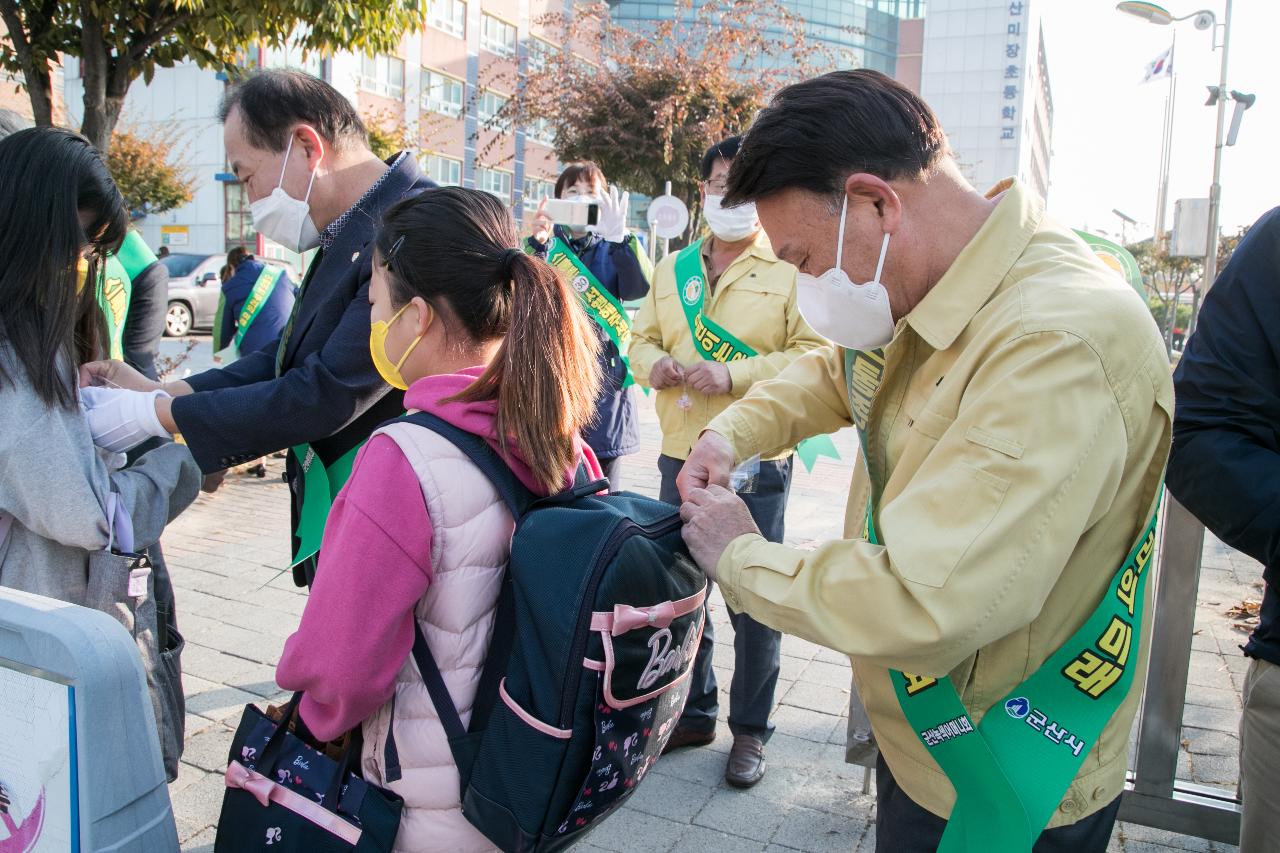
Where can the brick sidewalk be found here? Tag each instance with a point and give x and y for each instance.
(237, 604)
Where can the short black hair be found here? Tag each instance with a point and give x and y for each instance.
(273, 101)
(585, 170)
(725, 149)
(814, 134)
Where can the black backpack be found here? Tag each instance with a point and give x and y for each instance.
(596, 629)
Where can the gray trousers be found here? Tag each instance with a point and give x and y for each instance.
(1260, 758)
(757, 648)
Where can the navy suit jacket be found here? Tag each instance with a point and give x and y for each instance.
(1225, 461)
(328, 392)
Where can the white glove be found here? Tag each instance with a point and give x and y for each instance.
(612, 224)
(119, 419)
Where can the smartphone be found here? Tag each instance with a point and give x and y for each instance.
(572, 213)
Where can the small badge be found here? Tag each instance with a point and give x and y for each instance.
(1018, 707)
(355, 256)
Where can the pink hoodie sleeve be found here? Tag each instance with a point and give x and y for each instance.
(375, 565)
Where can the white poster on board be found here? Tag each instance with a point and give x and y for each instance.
(37, 796)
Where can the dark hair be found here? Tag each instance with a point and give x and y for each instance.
(586, 170)
(814, 134)
(273, 101)
(238, 255)
(48, 177)
(454, 248)
(725, 149)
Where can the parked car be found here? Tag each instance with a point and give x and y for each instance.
(194, 289)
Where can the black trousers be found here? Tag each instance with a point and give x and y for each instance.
(904, 827)
(756, 647)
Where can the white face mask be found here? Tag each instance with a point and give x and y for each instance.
(283, 218)
(855, 316)
(731, 224)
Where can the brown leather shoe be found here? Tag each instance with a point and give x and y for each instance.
(684, 736)
(746, 762)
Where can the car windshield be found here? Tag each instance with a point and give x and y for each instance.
(180, 266)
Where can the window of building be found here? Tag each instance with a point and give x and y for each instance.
(495, 181)
(382, 75)
(238, 223)
(445, 171)
(491, 103)
(441, 93)
(541, 131)
(540, 52)
(535, 190)
(449, 16)
(497, 36)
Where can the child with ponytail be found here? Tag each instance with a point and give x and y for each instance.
(494, 342)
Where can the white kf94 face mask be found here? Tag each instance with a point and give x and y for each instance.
(284, 218)
(730, 224)
(855, 316)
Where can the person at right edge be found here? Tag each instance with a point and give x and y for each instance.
(1225, 469)
(1013, 399)
(303, 154)
(722, 316)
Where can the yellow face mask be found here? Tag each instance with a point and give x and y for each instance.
(389, 372)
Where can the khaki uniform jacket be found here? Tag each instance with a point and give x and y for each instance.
(755, 300)
(1016, 448)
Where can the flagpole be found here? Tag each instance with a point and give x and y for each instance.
(1166, 148)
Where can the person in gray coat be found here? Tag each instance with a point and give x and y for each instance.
(61, 497)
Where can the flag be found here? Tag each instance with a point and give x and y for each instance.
(1160, 67)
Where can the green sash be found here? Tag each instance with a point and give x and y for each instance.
(601, 305)
(114, 287)
(249, 312)
(320, 487)
(1010, 771)
(716, 343)
(712, 341)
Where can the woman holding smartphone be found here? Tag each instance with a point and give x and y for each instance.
(607, 266)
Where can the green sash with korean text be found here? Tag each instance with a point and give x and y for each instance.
(716, 343)
(1011, 771)
(601, 305)
(320, 486)
(249, 312)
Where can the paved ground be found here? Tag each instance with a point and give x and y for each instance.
(237, 605)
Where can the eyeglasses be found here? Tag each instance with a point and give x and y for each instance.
(718, 187)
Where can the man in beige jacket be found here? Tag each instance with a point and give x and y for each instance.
(1014, 404)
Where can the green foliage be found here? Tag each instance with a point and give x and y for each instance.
(121, 40)
(652, 101)
(142, 169)
(388, 134)
(1173, 284)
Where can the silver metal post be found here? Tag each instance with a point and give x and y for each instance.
(1215, 189)
(1154, 796)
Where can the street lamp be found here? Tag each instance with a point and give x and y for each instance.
(1204, 19)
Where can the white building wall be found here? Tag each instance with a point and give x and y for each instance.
(185, 98)
(980, 57)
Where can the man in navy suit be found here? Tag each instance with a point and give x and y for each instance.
(302, 152)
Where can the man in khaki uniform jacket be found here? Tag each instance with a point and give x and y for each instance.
(1016, 429)
(743, 305)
